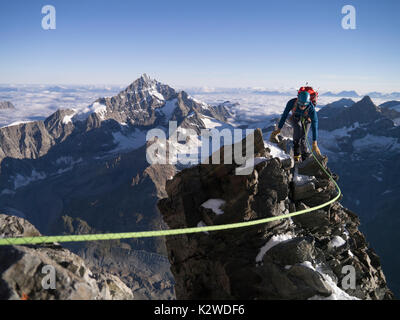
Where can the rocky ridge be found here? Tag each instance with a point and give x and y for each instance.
(299, 258)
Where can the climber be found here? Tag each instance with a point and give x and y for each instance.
(303, 110)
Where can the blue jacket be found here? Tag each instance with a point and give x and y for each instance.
(300, 113)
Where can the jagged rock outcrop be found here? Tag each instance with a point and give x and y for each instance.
(301, 258)
(22, 270)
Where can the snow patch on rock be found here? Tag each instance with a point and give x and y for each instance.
(272, 243)
(337, 293)
(214, 205)
(22, 181)
(336, 242)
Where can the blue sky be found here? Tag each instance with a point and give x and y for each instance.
(276, 44)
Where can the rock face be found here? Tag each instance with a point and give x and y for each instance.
(332, 109)
(23, 270)
(300, 258)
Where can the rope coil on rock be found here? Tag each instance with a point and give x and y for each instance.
(171, 232)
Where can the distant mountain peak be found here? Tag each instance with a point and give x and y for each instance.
(6, 105)
(351, 94)
(142, 83)
(390, 104)
(147, 80)
(366, 99)
(145, 77)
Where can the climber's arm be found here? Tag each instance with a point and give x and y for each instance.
(314, 124)
(285, 114)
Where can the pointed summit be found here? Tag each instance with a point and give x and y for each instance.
(367, 100)
(145, 78)
(144, 82)
(365, 105)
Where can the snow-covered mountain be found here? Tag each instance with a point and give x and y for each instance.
(124, 120)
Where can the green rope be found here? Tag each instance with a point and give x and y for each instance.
(319, 163)
(160, 233)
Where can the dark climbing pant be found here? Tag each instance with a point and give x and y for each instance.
(299, 137)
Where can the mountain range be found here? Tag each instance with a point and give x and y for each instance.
(285, 92)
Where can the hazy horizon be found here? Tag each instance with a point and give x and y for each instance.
(269, 44)
(203, 89)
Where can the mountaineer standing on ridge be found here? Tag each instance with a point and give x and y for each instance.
(303, 109)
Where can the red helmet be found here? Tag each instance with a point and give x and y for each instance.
(312, 92)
